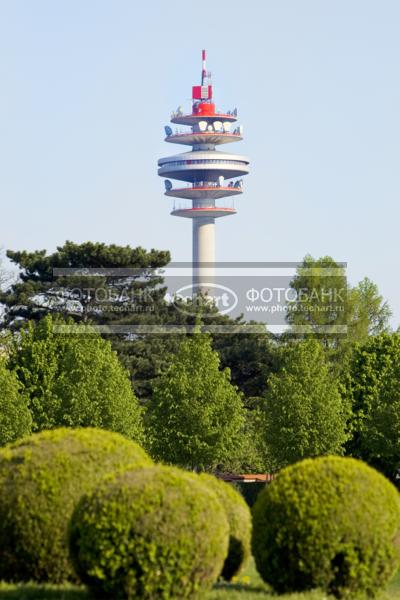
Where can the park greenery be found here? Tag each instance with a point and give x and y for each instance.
(109, 441)
(71, 377)
(333, 527)
(306, 415)
(242, 400)
(41, 480)
(196, 415)
(124, 518)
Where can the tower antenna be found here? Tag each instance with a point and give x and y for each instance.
(204, 70)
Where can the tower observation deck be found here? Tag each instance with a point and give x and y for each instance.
(210, 174)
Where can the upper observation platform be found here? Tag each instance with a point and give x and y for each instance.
(206, 112)
(209, 137)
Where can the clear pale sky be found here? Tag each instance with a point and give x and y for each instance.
(87, 86)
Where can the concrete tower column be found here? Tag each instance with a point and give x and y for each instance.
(203, 255)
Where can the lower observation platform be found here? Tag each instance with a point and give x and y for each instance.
(200, 192)
(213, 212)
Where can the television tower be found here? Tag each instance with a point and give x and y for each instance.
(210, 173)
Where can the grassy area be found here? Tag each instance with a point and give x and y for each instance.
(249, 586)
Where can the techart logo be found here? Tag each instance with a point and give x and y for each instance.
(190, 297)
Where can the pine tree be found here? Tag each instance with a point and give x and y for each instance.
(90, 281)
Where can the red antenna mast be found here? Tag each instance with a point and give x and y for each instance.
(204, 70)
(203, 92)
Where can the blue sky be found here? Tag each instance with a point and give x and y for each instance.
(87, 86)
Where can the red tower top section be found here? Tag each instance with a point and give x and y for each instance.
(202, 94)
(203, 107)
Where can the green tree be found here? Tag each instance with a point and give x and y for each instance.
(336, 313)
(73, 378)
(304, 412)
(104, 283)
(251, 356)
(369, 313)
(319, 306)
(15, 418)
(254, 456)
(373, 388)
(196, 416)
(121, 288)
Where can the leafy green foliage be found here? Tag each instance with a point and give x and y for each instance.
(196, 415)
(15, 418)
(239, 519)
(332, 523)
(305, 414)
(334, 312)
(73, 378)
(154, 533)
(254, 455)
(41, 480)
(123, 291)
(369, 313)
(373, 388)
(321, 296)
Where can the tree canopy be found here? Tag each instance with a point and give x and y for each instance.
(304, 412)
(15, 418)
(373, 388)
(329, 308)
(196, 416)
(73, 378)
(87, 281)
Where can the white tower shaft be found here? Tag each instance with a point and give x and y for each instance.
(203, 255)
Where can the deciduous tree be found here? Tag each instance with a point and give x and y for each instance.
(15, 418)
(373, 388)
(305, 414)
(196, 416)
(73, 378)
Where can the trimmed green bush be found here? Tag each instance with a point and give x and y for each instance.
(154, 533)
(330, 522)
(42, 478)
(239, 519)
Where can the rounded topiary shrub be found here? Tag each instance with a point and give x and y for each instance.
(42, 478)
(154, 533)
(239, 519)
(329, 522)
